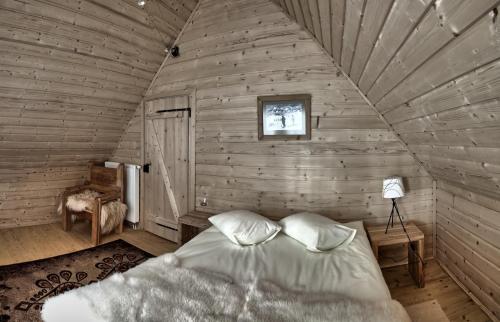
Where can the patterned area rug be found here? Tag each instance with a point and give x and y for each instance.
(25, 287)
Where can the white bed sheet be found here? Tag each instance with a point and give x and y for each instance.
(351, 271)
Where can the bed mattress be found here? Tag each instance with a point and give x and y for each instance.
(351, 271)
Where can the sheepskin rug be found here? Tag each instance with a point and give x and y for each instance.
(161, 290)
(112, 213)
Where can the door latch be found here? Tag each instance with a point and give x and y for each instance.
(145, 168)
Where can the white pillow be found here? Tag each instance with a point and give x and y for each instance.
(316, 232)
(244, 227)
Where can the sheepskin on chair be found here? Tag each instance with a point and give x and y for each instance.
(112, 213)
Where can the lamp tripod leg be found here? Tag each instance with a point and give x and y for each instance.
(400, 219)
(391, 218)
(393, 207)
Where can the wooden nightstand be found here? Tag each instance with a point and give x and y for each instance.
(191, 225)
(396, 236)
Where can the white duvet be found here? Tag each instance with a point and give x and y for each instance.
(352, 270)
(351, 273)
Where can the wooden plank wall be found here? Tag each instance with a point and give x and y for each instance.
(258, 50)
(431, 68)
(128, 149)
(447, 110)
(468, 242)
(71, 76)
(28, 196)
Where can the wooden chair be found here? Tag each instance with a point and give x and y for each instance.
(107, 181)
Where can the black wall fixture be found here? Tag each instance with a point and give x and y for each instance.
(175, 51)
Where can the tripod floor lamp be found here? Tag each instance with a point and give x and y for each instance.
(393, 189)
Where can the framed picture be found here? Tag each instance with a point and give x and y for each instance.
(284, 117)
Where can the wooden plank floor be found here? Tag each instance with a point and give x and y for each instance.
(438, 285)
(36, 242)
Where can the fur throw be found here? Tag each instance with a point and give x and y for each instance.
(161, 290)
(112, 213)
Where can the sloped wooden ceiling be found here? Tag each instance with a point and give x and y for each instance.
(432, 68)
(71, 76)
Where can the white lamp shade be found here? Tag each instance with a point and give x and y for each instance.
(393, 188)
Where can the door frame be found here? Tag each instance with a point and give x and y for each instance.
(191, 149)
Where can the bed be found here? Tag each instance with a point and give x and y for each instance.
(209, 270)
(352, 270)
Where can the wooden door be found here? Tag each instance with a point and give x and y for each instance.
(166, 183)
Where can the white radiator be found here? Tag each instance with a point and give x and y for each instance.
(132, 180)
